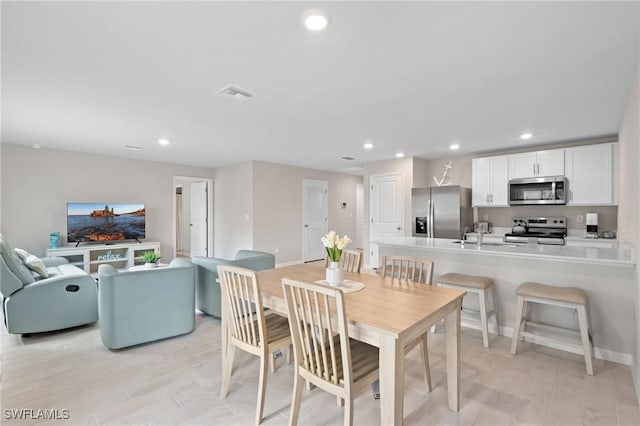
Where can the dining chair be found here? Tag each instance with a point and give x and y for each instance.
(417, 270)
(324, 354)
(249, 328)
(350, 261)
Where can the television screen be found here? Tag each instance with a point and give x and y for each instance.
(88, 222)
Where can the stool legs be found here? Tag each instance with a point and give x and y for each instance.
(518, 322)
(483, 319)
(584, 334)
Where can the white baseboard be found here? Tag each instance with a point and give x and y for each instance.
(599, 353)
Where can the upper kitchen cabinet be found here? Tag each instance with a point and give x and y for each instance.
(537, 164)
(490, 181)
(591, 174)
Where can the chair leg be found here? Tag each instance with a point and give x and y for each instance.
(425, 361)
(289, 354)
(348, 410)
(584, 334)
(495, 308)
(262, 385)
(483, 318)
(525, 315)
(226, 376)
(516, 326)
(296, 397)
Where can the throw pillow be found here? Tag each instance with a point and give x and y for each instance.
(37, 265)
(33, 262)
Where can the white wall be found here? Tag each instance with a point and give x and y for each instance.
(629, 203)
(233, 209)
(37, 184)
(278, 201)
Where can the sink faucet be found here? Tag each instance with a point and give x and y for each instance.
(480, 237)
(464, 233)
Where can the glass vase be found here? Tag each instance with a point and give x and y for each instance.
(335, 275)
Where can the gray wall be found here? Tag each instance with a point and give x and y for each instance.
(277, 195)
(629, 204)
(37, 184)
(233, 214)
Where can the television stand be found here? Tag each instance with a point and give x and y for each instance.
(121, 256)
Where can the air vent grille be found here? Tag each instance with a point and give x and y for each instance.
(235, 91)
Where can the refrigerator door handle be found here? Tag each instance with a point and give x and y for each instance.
(430, 219)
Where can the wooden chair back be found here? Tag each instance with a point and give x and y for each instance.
(316, 315)
(239, 288)
(351, 260)
(407, 268)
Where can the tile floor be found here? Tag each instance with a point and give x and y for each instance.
(177, 381)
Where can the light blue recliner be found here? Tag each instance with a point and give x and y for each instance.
(146, 305)
(208, 289)
(66, 298)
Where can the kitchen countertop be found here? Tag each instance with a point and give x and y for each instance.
(611, 256)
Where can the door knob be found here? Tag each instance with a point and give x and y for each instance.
(306, 226)
(398, 228)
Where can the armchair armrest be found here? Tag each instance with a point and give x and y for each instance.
(54, 261)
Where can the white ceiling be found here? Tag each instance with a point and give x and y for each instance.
(409, 76)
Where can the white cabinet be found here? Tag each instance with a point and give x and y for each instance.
(537, 164)
(121, 255)
(490, 181)
(591, 174)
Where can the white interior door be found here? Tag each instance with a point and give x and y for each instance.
(199, 219)
(315, 194)
(386, 210)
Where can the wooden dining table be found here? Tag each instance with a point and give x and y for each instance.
(386, 313)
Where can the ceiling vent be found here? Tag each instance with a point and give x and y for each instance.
(235, 91)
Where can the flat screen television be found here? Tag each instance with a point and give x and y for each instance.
(100, 222)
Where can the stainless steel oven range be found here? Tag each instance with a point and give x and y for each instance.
(538, 230)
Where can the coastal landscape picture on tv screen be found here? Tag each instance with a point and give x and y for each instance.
(87, 222)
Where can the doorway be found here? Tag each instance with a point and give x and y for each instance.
(386, 211)
(315, 194)
(192, 224)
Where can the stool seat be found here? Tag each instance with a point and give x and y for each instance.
(561, 294)
(481, 286)
(465, 280)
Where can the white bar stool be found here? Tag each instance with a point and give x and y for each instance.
(567, 297)
(484, 288)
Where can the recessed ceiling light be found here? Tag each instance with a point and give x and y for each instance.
(526, 136)
(367, 145)
(164, 142)
(36, 146)
(348, 158)
(133, 147)
(315, 19)
(454, 146)
(399, 154)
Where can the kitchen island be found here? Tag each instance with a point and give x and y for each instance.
(606, 274)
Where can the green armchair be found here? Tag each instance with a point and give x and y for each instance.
(68, 297)
(208, 288)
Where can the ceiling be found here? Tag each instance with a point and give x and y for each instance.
(408, 76)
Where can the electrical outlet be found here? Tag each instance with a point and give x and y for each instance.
(580, 218)
(276, 250)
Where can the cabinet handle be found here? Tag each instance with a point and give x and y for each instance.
(491, 198)
(487, 197)
(534, 169)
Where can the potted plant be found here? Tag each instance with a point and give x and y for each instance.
(151, 259)
(334, 246)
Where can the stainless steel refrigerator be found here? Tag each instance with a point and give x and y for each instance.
(441, 211)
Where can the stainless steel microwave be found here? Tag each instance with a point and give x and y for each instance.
(542, 190)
